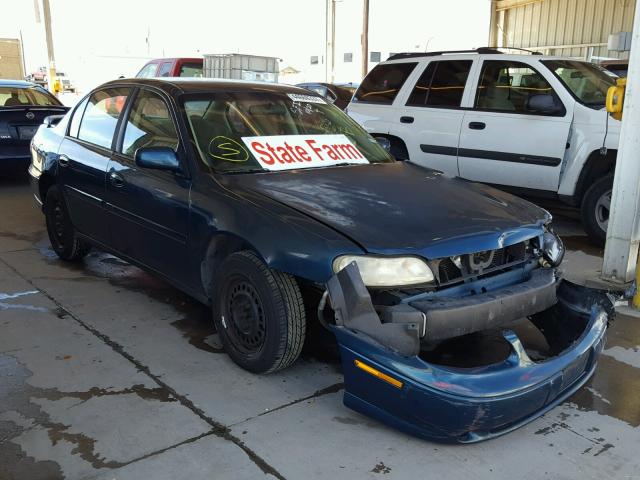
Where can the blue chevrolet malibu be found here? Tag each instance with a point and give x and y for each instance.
(277, 210)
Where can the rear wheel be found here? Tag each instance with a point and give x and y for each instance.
(62, 234)
(258, 313)
(595, 209)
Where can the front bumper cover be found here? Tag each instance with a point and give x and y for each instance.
(465, 404)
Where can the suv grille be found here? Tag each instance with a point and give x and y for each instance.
(456, 269)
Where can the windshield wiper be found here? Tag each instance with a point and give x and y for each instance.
(246, 170)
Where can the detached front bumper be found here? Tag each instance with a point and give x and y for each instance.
(386, 378)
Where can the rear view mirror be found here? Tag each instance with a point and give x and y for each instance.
(52, 120)
(158, 158)
(544, 103)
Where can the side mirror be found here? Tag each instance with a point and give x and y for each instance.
(52, 120)
(384, 143)
(544, 103)
(158, 158)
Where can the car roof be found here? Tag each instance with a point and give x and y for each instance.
(16, 83)
(178, 85)
(513, 57)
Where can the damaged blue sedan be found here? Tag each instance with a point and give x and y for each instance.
(277, 210)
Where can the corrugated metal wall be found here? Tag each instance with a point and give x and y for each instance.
(562, 27)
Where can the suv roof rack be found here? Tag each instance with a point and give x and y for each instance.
(481, 50)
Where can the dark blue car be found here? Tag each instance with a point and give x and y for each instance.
(279, 211)
(23, 108)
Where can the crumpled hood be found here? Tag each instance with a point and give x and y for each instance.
(402, 208)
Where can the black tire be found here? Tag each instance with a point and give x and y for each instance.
(62, 234)
(258, 313)
(594, 214)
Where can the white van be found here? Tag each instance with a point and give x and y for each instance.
(532, 124)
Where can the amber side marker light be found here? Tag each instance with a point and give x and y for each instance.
(377, 373)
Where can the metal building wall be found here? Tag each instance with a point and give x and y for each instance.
(573, 28)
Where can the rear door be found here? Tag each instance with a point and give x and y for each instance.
(83, 158)
(148, 208)
(371, 106)
(502, 141)
(429, 120)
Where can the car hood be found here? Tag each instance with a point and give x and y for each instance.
(402, 208)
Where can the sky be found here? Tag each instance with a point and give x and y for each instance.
(98, 40)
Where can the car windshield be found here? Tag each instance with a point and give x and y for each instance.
(587, 82)
(19, 97)
(260, 131)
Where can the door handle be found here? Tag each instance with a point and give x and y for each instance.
(116, 180)
(406, 119)
(477, 125)
(63, 160)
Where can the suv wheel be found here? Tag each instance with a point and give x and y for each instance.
(258, 313)
(62, 234)
(595, 209)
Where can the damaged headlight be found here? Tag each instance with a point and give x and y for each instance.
(552, 248)
(387, 271)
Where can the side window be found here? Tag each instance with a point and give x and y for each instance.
(165, 69)
(77, 117)
(148, 71)
(190, 70)
(383, 83)
(101, 116)
(507, 86)
(149, 125)
(441, 85)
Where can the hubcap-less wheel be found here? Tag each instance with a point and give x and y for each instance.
(603, 206)
(58, 223)
(244, 316)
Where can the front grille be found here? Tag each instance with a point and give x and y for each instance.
(458, 268)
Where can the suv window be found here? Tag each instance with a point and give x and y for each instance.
(77, 117)
(148, 71)
(165, 69)
(149, 124)
(190, 70)
(441, 84)
(506, 86)
(383, 83)
(101, 116)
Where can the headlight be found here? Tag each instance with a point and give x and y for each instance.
(387, 271)
(552, 248)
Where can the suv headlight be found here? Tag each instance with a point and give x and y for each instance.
(387, 271)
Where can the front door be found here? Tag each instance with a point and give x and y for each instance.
(502, 141)
(83, 158)
(148, 208)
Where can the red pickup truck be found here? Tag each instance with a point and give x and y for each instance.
(172, 67)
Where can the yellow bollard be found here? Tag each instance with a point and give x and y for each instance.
(635, 302)
(615, 98)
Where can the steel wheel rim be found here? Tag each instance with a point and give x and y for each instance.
(244, 318)
(603, 206)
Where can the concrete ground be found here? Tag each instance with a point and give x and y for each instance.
(109, 373)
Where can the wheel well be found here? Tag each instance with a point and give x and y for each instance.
(596, 167)
(398, 147)
(45, 182)
(220, 247)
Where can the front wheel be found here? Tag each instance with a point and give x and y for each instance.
(595, 209)
(258, 313)
(62, 234)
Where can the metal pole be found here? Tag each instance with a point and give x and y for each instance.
(621, 250)
(365, 38)
(47, 28)
(493, 28)
(24, 65)
(333, 40)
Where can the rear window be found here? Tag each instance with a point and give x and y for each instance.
(19, 97)
(441, 84)
(101, 116)
(383, 83)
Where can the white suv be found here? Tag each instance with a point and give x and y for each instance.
(531, 124)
